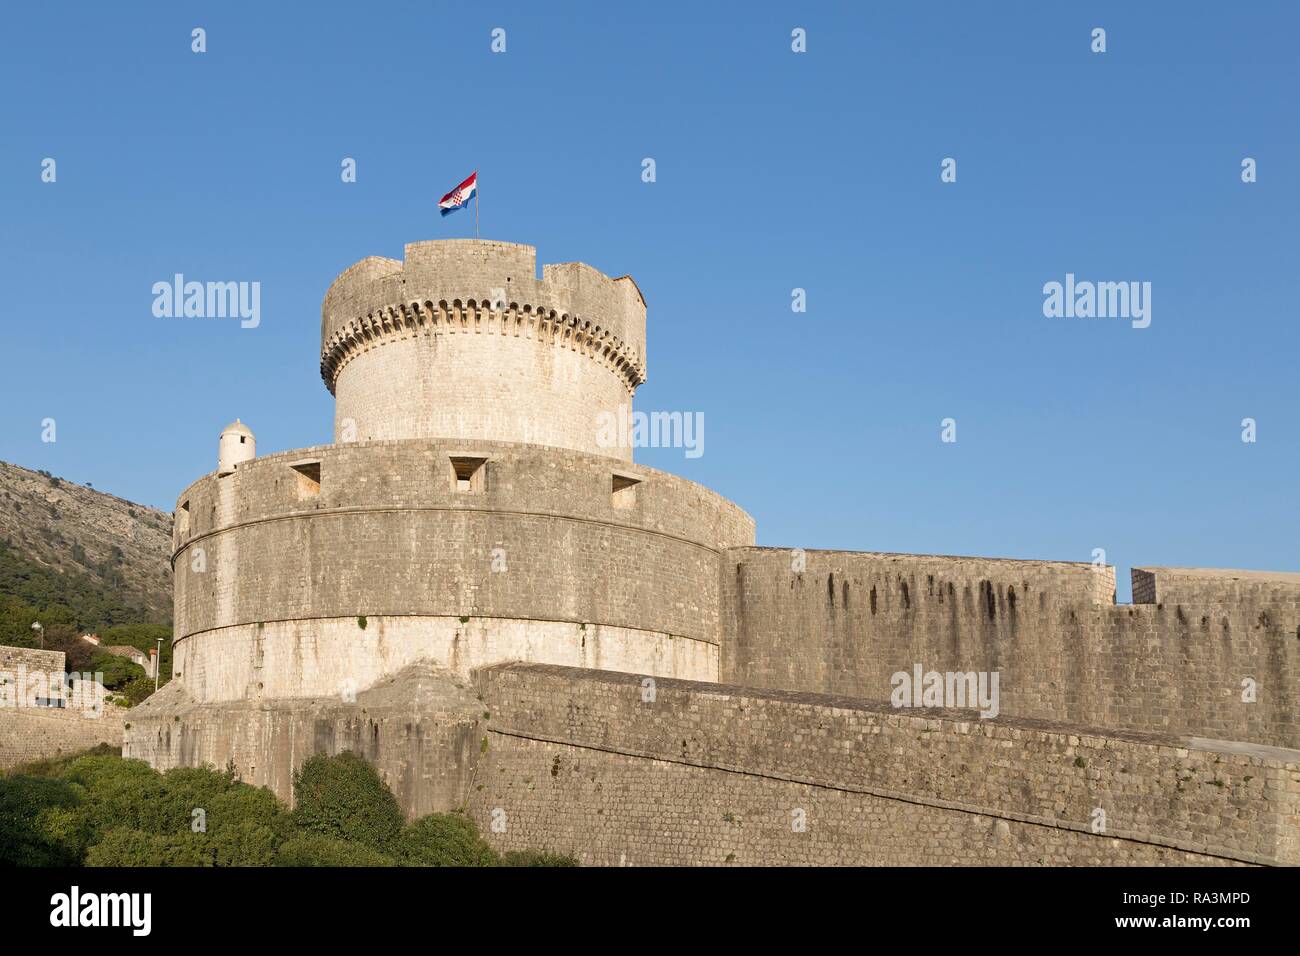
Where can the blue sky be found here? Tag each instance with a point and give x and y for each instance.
(775, 170)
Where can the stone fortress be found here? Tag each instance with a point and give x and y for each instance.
(506, 615)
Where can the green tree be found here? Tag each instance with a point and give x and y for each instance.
(316, 849)
(117, 671)
(444, 839)
(34, 822)
(127, 847)
(101, 810)
(342, 797)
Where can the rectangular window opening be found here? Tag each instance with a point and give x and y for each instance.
(624, 491)
(308, 479)
(469, 475)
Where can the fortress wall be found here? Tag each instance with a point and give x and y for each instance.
(538, 559)
(420, 729)
(437, 563)
(1063, 651)
(335, 656)
(1182, 668)
(850, 620)
(37, 733)
(504, 387)
(580, 762)
(32, 658)
(1208, 586)
(411, 475)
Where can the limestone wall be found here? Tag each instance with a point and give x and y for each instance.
(32, 658)
(445, 384)
(537, 559)
(581, 762)
(425, 348)
(1064, 651)
(1209, 586)
(617, 771)
(30, 732)
(420, 728)
(333, 655)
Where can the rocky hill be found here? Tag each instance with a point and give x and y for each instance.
(59, 535)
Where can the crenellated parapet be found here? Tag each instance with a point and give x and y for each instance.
(462, 340)
(476, 286)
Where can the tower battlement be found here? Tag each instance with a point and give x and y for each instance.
(461, 340)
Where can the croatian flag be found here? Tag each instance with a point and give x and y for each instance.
(459, 197)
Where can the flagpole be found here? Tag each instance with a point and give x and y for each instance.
(476, 206)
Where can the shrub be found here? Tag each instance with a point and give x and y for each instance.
(126, 814)
(97, 808)
(315, 849)
(127, 847)
(34, 822)
(243, 824)
(342, 797)
(120, 794)
(68, 828)
(117, 671)
(57, 766)
(444, 839)
(135, 691)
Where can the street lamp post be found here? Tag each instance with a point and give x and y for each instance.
(36, 626)
(157, 666)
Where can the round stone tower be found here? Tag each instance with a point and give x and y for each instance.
(237, 445)
(471, 511)
(461, 341)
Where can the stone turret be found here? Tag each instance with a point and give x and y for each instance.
(462, 341)
(237, 445)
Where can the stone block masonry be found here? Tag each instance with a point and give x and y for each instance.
(537, 562)
(34, 659)
(1213, 586)
(36, 733)
(848, 621)
(705, 774)
(420, 728)
(28, 734)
